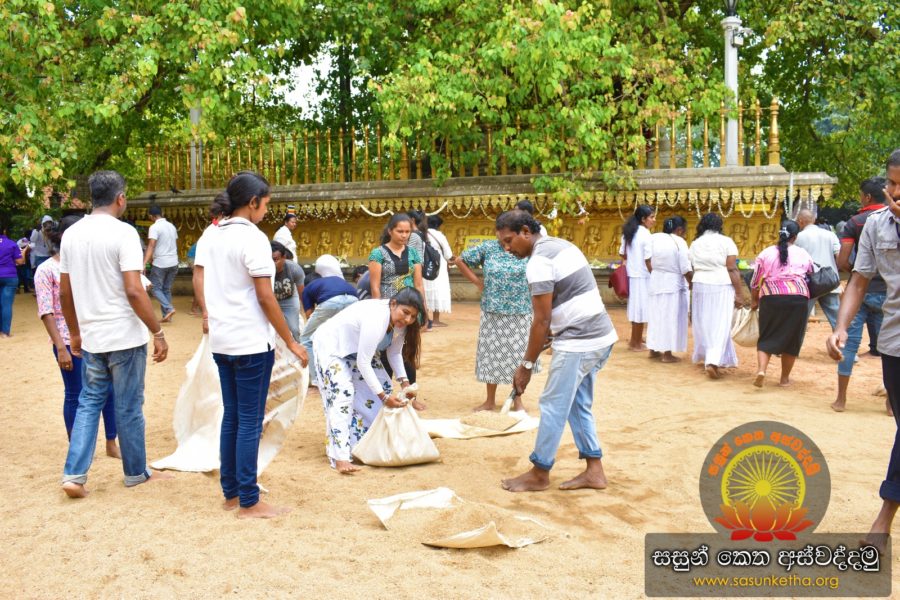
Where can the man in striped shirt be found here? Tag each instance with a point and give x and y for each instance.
(567, 306)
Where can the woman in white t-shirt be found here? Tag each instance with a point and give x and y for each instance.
(240, 312)
(717, 292)
(350, 374)
(668, 301)
(635, 251)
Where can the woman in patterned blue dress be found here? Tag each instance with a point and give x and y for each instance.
(505, 316)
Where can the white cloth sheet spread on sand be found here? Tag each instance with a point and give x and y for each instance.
(198, 411)
(455, 430)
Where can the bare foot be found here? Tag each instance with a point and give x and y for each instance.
(654, 354)
(75, 490)
(418, 404)
(668, 358)
(586, 480)
(760, 378)
(168, 317)
(518, 405)
(839, 406)
(112, 449)
(159, 476)
(640, 348)
(345, 467)
(534, 480)
(231, 503)
(439, 324)
(486, 405)
(713, 371)
(262, 510)
(784, 382)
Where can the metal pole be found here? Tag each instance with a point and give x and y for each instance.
(730, 25)
(196, 151)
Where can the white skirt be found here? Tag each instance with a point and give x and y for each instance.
(437, 292)
(667, 329)
(638, 293)
(711, 314)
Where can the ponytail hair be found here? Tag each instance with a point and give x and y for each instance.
(629, 230)
(673, 224)
(412, 343)
(393, 222)
(241, 189)
(787, 234)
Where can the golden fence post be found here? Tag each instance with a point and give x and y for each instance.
(217, 175)
(330, 172)
(689, 146)
(352, 154)
(757, 159)
(740, 143)
(673, 154)
(392, 167)
(705, 142)
(656, 146)
(774, 142)
(237, 159)
(365, 152)
(460, 166)
(294, 179)
(273, 174)
(490, 153)
(165, 166)
(404, 161)
(147, 176)
(318, 156)
(282, 176)
(379, 172)
(518, 131)
(207, 167)
(228, 170)
(418, 157)
(642, 152)
(722, 134)
(305, 156)
(342, 176)
(157, 163)
(475, 167)
(179, 177)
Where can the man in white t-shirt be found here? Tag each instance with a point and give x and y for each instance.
(162, 248)
(824, 246)
(108, 314)
(285, 235)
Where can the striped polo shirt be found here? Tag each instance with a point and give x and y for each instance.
(578, 321)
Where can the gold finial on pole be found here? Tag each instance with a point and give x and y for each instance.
(774, 143)
(689, 141)
(672, 153)
(705, 142)
(656, 146)
(721, 134)
(757, 159)
(740, 144)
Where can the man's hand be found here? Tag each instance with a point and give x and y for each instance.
(547, 343)
(205, 325)
(300, 351)
(835, 344)
(75, 344)
(160, 349)
(64, 359)
(521, 379)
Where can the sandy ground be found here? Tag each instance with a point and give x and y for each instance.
(171, 539)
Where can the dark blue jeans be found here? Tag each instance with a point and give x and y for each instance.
(245, 385)
(8, 286)
(890, 368)
(72, 384)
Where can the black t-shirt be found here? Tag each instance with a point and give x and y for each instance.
(851, 232)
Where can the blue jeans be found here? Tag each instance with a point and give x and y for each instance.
(829, 303)
(869, 310)
(124, 370)
(72, 385)
(323, 312)
(568, 396)
(8, 287)
(245, 385)
(162, 278)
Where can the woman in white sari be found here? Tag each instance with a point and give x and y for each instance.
(668, 298)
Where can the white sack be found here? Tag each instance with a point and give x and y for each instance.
(396, 438)
(455, 430)
(745, 327)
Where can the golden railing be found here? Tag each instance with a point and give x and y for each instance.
(677, 140)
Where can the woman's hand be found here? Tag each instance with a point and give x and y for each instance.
(64, 359)
(300, 352)
(393, 402)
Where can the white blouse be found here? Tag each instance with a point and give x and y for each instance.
(709, 253)
(638, 251)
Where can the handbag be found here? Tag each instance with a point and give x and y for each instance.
(745, 327)
(822, 281)
(618, 281)
(396, 438)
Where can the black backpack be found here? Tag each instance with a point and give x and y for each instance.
(431, 262)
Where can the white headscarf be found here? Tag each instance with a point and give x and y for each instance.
(328, 266)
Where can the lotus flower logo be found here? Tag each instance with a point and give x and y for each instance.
(763, 488)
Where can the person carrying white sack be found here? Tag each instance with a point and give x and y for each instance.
(351, 378)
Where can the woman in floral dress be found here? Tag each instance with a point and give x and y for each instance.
(505, 316)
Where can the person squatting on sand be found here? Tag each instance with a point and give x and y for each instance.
(635, 252)
(566, 305)
(239, 312)
(871, 309)
(352, 379)
(506, 316)
(668, 295)
(46, 286)
(879, 254)
(322, 299)
(717, 291)
(108, 313)
(779, 290)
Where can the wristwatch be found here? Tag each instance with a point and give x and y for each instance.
(528, 364)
